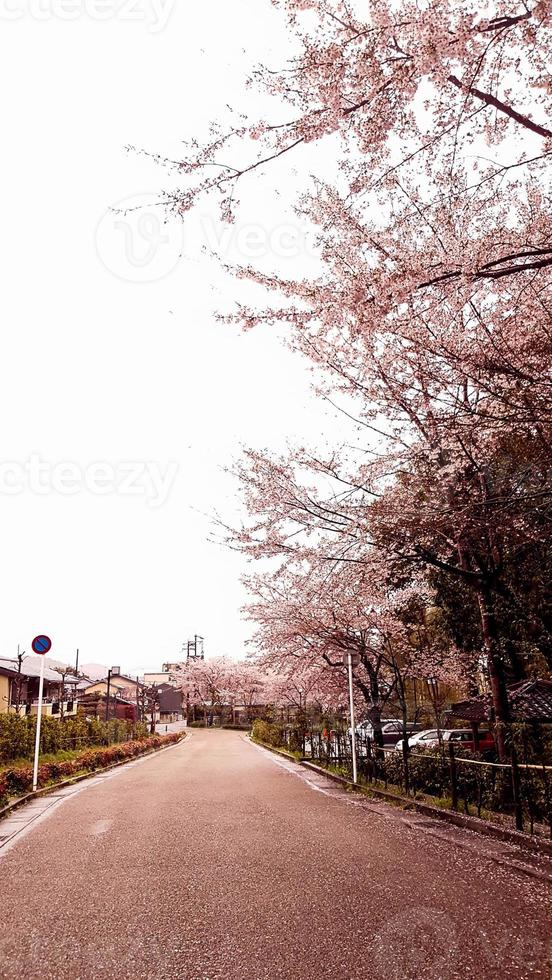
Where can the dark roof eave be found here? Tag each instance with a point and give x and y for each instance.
(530, 701)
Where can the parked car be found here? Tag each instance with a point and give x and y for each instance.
(366, 729)
(461, 737)
(424, 738)
(391, 729)
(394, 730)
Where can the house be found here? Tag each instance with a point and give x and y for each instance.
(115, 696)
(170, 703)
(118, 683)
(19, 684)
(161, 677)
(8, 676)
(95, 704)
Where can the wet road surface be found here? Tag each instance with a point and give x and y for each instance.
(216, 859)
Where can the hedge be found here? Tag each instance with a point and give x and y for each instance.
(17, 780)
(17, 734)
(264, 731)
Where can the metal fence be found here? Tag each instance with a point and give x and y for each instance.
(521, 792)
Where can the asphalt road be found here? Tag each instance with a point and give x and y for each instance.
(213, 860)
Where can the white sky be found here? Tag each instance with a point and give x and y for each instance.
(99, 369)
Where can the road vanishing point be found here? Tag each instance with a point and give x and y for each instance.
(217, 859)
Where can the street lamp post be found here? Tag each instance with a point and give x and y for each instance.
(350, 660)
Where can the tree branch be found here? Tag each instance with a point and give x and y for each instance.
(489, 99)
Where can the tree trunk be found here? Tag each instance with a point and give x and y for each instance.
(497, 677)
(374, 713)
(374, 709)
(405, 749)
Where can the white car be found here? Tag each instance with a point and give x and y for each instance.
(366, 728)
(428, 739)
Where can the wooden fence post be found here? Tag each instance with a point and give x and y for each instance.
(453, 777)
(516, 788)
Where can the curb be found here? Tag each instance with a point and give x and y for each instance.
(538, 845)
(45, 790)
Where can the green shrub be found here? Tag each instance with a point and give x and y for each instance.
(295, 740)
(17, 734)
(264, 731)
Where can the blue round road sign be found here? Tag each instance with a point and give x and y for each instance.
(41, 644)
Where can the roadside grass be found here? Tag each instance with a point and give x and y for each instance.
(282, 750)
(46, 758)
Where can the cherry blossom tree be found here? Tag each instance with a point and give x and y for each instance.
(430, 316)
(419, 521)
(217, 683)
(310, 614)
(246, 685)
(403, 86)
(204, 684)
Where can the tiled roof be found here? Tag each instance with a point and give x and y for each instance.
(532, 700)
(92, 697)
(30, 667)
(529, 701)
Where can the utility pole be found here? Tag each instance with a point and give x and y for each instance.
(194, 645)
(19, 681)
(107, 695)
(64, 672)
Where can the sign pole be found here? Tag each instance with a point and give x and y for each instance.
(40, 645)
(38, 723)
(352, 713)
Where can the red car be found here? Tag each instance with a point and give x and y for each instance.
(463, 738)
